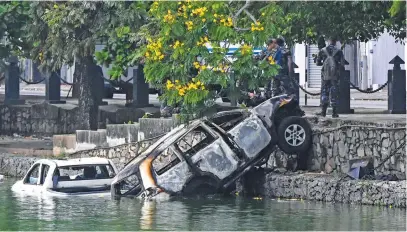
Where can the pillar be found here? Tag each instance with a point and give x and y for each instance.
(140, 89)
(12, 83)
(343, 106)
(53, 89)
(396, 87)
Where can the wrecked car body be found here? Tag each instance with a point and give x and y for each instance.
(208, 155)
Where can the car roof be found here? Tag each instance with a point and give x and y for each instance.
(78, 161)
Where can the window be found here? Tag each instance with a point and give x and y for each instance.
(88, 172)
(44, 173)
(194, 141)
(32, 177)
(165, 161)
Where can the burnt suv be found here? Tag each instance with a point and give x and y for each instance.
(209, 155)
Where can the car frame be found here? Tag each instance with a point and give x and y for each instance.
(234, 142)
(49, 182)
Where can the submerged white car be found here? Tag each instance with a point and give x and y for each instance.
(83, 176)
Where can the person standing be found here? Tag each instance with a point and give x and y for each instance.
(287, 85)
(333, 60)
(274, 86)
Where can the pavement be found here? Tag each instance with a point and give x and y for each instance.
(368, 108)
(35, 89)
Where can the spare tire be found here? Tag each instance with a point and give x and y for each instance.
(294, 135)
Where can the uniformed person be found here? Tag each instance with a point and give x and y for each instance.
(333, 61)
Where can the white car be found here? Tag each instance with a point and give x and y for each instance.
(83, 176)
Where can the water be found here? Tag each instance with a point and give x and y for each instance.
(36, 213)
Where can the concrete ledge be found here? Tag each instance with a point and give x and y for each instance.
(86, 139)
(328, 188)
(152, 127)
(118, 134)
(64, 144)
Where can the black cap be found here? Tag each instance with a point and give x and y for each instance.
(280, 41)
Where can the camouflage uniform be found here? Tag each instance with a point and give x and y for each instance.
(330, 86)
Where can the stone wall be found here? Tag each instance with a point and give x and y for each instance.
(120, 155)
(14, 165)
(337, 141)
(46, 119)
(333, 189)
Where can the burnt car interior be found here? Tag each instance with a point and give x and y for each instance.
(165, 161)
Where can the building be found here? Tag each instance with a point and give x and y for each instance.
(368, 62)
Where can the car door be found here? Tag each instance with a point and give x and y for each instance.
(208, 152)
(170, 169)
(31, 182)
(251, 135)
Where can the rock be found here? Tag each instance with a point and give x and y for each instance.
(360, 151)
(385, 143)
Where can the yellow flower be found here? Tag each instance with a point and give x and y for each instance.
(55, 6)
(193, 79)
(203, 20)
(176, 81)
(203, 87)
(169, 84)
(271, 60)
(203, 67)
(181, 92)
(197, 65)
(179, 3)
(215, 15)
(263, 14)
(214, 21)
(198, 83)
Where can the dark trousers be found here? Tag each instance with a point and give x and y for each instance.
(329, 91)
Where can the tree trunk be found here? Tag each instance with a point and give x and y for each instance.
(75, 87)
(89, 97)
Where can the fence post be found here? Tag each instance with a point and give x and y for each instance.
(396, 87)
(141, 91)
(296, 77)
(12, 83)
(343, 106)
(53, 89)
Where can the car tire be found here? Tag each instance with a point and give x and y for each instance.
(294, 135)
(200, 186)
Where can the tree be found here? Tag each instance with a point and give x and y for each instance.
(174, 43)
(306, 21)
(73, 29)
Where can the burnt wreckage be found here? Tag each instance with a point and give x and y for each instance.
(208, 155)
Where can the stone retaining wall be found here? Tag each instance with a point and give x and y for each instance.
(331, 189)
(46, 119)
(337, 141)
(15, 166)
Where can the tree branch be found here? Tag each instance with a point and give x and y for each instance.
(250, 15)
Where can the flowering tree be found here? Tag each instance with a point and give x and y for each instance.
(176, 40)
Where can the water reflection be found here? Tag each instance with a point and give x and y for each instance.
(19, 212)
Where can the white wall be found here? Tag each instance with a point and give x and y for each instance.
(301, 61)
(379, 53)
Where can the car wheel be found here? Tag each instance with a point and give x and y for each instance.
(294, 135)
(200, 186)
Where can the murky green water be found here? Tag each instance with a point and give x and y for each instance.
(35, 213)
